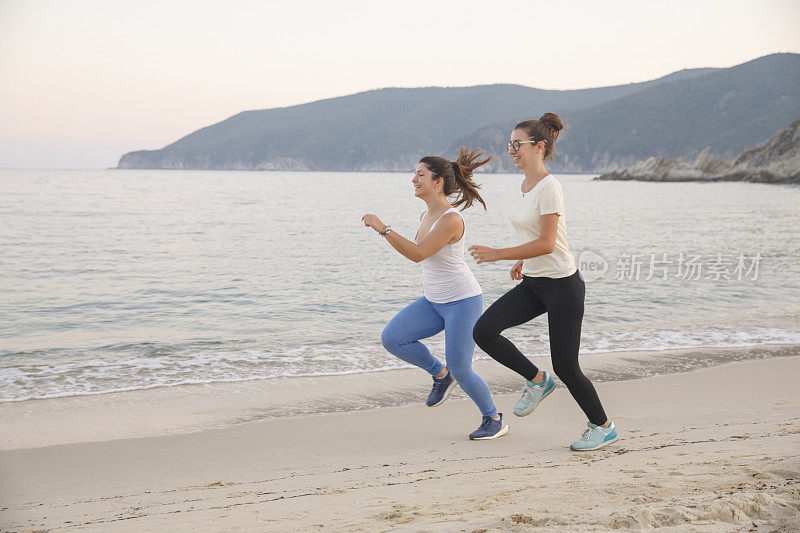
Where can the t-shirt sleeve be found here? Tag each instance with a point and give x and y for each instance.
(552, 199)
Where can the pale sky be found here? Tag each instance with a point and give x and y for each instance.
(82, 82)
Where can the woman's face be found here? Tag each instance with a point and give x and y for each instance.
(528, 152)
(424, 184)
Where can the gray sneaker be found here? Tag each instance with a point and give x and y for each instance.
(533, 393)
(441, 389)
(489, 429)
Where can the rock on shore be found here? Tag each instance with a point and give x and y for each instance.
(776, 161)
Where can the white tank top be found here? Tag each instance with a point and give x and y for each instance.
(446, 277)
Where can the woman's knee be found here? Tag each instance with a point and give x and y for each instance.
(482, 332)
(460, 372)
(390, 338)
(567, 373)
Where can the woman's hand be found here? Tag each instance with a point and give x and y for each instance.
(484, 254)
(516, 270)
(373, 222)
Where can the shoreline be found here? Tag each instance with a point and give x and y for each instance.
(195, 408)
(120, 374)
(755, 179)
(692, 455)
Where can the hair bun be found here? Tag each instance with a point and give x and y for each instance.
(552, 121)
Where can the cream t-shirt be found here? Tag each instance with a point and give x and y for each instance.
(545, 198)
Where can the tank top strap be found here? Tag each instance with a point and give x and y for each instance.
(451, 210)
(463, 222)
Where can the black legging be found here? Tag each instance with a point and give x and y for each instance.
(562, 300)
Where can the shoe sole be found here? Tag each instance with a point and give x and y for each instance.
(612, 441)
(446, 394)
(546, 394)
(495, 436)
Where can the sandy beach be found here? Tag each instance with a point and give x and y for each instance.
(714, 449)
(227, 230)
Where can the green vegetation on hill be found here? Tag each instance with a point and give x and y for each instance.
(726, 110)
(608, 127)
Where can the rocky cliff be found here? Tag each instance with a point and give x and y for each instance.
(775, 161)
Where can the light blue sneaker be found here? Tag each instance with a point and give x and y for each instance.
(533, 393)
(595, 438)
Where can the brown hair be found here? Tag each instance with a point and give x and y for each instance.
(457, 175)
(545, 129)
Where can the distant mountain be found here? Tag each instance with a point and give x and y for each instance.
(725, 110)
(608, 128)
(386, 129)
(775, 161)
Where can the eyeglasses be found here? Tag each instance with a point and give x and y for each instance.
(514, 145)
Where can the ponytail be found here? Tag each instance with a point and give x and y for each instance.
(463, 166)
(457, 175)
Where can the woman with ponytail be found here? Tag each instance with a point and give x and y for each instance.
(550, 283)
(452, 299)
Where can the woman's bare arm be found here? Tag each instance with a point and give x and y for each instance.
(448, 227)
(541, 246)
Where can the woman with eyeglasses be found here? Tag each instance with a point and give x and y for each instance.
(452, 299)
(550, 283)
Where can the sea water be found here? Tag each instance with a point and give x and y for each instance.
(117, 280)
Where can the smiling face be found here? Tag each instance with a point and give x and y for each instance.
(528, 153)
(424, 182)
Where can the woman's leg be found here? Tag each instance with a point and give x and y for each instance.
(565, 314)
(401, 335)
(517, 306)
(459, 319)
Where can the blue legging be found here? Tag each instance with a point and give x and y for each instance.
(423, 319)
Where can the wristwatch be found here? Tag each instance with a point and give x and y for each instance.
(386, 230)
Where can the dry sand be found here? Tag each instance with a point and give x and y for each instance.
(716, 449)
